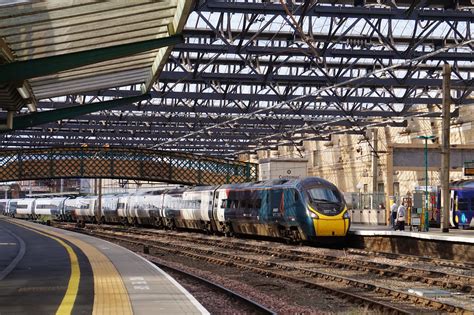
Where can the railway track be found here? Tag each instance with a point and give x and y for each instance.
(286, 264)
(249, 306)
(434, 261)
(434, 278)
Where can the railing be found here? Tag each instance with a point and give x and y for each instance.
(136, 164)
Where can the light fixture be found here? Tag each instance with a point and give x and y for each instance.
(31, 107)
(23, 92)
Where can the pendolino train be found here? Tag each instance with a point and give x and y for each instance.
(298, 210)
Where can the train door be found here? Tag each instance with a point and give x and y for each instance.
(277, 205)
(452, 208)
(12, 207)
(213, 210)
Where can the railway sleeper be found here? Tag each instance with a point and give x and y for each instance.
(214, 260)
(352, 282)
(407, 277)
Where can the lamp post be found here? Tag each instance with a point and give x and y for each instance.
(424, 212)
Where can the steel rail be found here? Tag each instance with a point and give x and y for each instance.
(457, 281)
(435, 261)
(258, 307)
(231, 261)
(348, 295)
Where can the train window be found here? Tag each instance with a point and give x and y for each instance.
(258, 203)
(297, 196)
(463, 204)
(233, 204)
(324, 194)
(224, 203)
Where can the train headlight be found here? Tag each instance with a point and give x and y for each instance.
(346, 215)
(312, 215)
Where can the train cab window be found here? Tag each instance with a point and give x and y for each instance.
(463, 204)
(324, 194)
(224, 203)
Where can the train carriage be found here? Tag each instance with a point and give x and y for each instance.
(69, 207)
(196, 211)
(47, 209)
(86, 210)
(291, 209)
(171, 208)
(22, 208)
(108, 210)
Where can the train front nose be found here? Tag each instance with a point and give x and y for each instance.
(334, 225)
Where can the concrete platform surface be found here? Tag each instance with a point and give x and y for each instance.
(44, 270)
(435, 234)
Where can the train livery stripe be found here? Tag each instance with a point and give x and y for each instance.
(70, 296)
(110, 293)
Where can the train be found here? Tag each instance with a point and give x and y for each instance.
(462, 204)
(296, 210)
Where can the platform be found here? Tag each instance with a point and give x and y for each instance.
(44, 270)
(454, 235)
(456, 245)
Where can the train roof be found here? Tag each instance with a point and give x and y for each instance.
(463, 184)
(282, 183)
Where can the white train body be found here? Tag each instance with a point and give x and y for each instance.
(23, 207)
(87, 209)
(108, 210)
(122, 207)
(49, 206)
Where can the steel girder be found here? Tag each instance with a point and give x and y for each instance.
(413, 10)
(248, 77)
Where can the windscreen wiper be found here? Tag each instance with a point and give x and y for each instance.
(324, 200)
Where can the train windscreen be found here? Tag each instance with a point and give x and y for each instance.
(328, 201)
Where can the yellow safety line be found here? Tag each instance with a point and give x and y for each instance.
(73, 286)
(110, 293)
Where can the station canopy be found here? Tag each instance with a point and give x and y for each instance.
(245, 75)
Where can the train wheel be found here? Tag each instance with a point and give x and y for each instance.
(228, 231)
(296, 237)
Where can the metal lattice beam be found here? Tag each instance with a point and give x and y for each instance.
(122, 163)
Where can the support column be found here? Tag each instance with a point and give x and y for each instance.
(374, 166)
(99, 201)
(445, 145)
(389, 184)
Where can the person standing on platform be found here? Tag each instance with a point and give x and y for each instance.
(393, 215)
(401, 213)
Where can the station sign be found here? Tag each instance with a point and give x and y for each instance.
(469, 169)
(426, 188)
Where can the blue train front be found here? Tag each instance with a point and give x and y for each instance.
(462, 204)
(298, 210)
